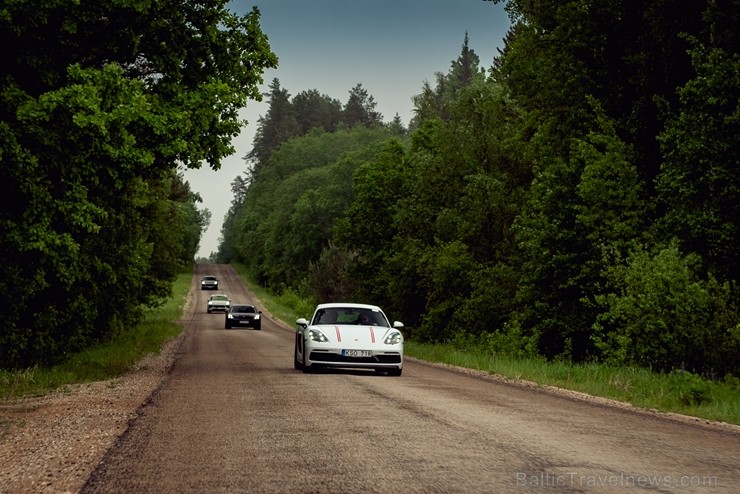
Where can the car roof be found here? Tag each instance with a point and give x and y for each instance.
(348, 304)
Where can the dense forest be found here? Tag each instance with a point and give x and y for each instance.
(102, 107)
(577, 199)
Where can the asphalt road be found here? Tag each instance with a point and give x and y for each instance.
(234, 416)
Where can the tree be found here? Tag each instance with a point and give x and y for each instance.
(274, 128)
(291, 207)
(669, 317)
(594, 184)
(360, 109)
(699, 185)
(396, 126)
(314, 110)
(99, 105)
(466, 69)
(433, 101)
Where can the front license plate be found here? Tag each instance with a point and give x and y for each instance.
(357, 353)
(244, 322)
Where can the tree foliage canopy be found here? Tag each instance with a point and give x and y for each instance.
(101, 104)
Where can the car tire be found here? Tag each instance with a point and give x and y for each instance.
(258, 327)
(227, 326)
(296, 364)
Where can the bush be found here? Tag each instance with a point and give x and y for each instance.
(666, 317)
(689, 389)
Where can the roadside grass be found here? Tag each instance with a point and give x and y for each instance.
(107, 361)
(680, 392)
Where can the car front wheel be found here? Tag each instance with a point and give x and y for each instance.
(296, 364)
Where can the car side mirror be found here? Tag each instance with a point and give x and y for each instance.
(302, 322)
(398, 324)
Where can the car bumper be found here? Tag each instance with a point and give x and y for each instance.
(221, 308)
(336, 358)
(243, 322)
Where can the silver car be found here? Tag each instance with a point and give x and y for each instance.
(219, 302)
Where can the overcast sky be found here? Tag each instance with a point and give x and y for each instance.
(389, 46)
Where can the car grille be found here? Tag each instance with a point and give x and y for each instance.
(387, 358)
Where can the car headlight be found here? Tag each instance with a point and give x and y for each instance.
(256, 317)
(394, 338)
(230, 316)
(315, 335)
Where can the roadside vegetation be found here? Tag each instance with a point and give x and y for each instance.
(108, 360)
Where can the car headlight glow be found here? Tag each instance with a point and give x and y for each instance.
(315, 335)
(230, 316)
(256, 317)
(393, 339)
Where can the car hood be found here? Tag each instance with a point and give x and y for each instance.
(353, 335)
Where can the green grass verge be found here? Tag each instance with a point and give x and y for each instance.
(107, 361)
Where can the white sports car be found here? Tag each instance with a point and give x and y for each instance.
(349, 336)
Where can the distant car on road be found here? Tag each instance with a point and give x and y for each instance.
(350, 336)
(243, 315)
(209, 283)
(220, 302)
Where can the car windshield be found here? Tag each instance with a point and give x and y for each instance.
(350, 315)
(209, 278)
(243, 308)
(219, 297)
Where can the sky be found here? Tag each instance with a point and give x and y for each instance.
(391, 47)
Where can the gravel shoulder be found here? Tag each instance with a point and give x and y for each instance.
(51, 444)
